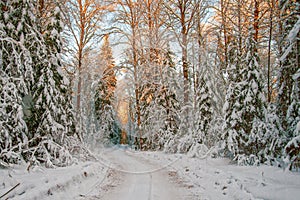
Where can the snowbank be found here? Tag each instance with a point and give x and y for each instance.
(217, 178)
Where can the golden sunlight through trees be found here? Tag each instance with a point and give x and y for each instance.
(123, 116)
(122, 107)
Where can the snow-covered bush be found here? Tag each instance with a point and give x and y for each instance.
(171, 145)
(245, 160)
(292, 148)
(185, 143)
(197, 151)
(268, 132)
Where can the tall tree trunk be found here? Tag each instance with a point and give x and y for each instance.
(224, 23)
(185, 66)
(80, 57)
(271, 4)
(256, 22)
(78, 99)
(136, 84)
(184, 46)
(240, 40)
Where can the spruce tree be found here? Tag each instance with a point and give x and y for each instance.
(232, 106)
(247, 108)
(289, 79)
(289, 57)
(292, 149)
(52, 119)
(19, 42)
(104, 97)
(203, 112)
(158, 102)
(163, 109)
(159, 116)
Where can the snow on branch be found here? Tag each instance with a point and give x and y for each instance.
(291, 39)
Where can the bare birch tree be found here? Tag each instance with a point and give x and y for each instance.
(129, 15)
(181, 19)
(83, 21)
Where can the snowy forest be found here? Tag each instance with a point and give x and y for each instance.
(156, 75)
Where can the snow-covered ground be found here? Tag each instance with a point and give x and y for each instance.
(61, 183)
(140, 178)
(121, 173)
(212, 178)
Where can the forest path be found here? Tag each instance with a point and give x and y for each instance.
(137, 178)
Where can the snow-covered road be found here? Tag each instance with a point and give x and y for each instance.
(124, 174)
(116, 174)
(140, 179)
